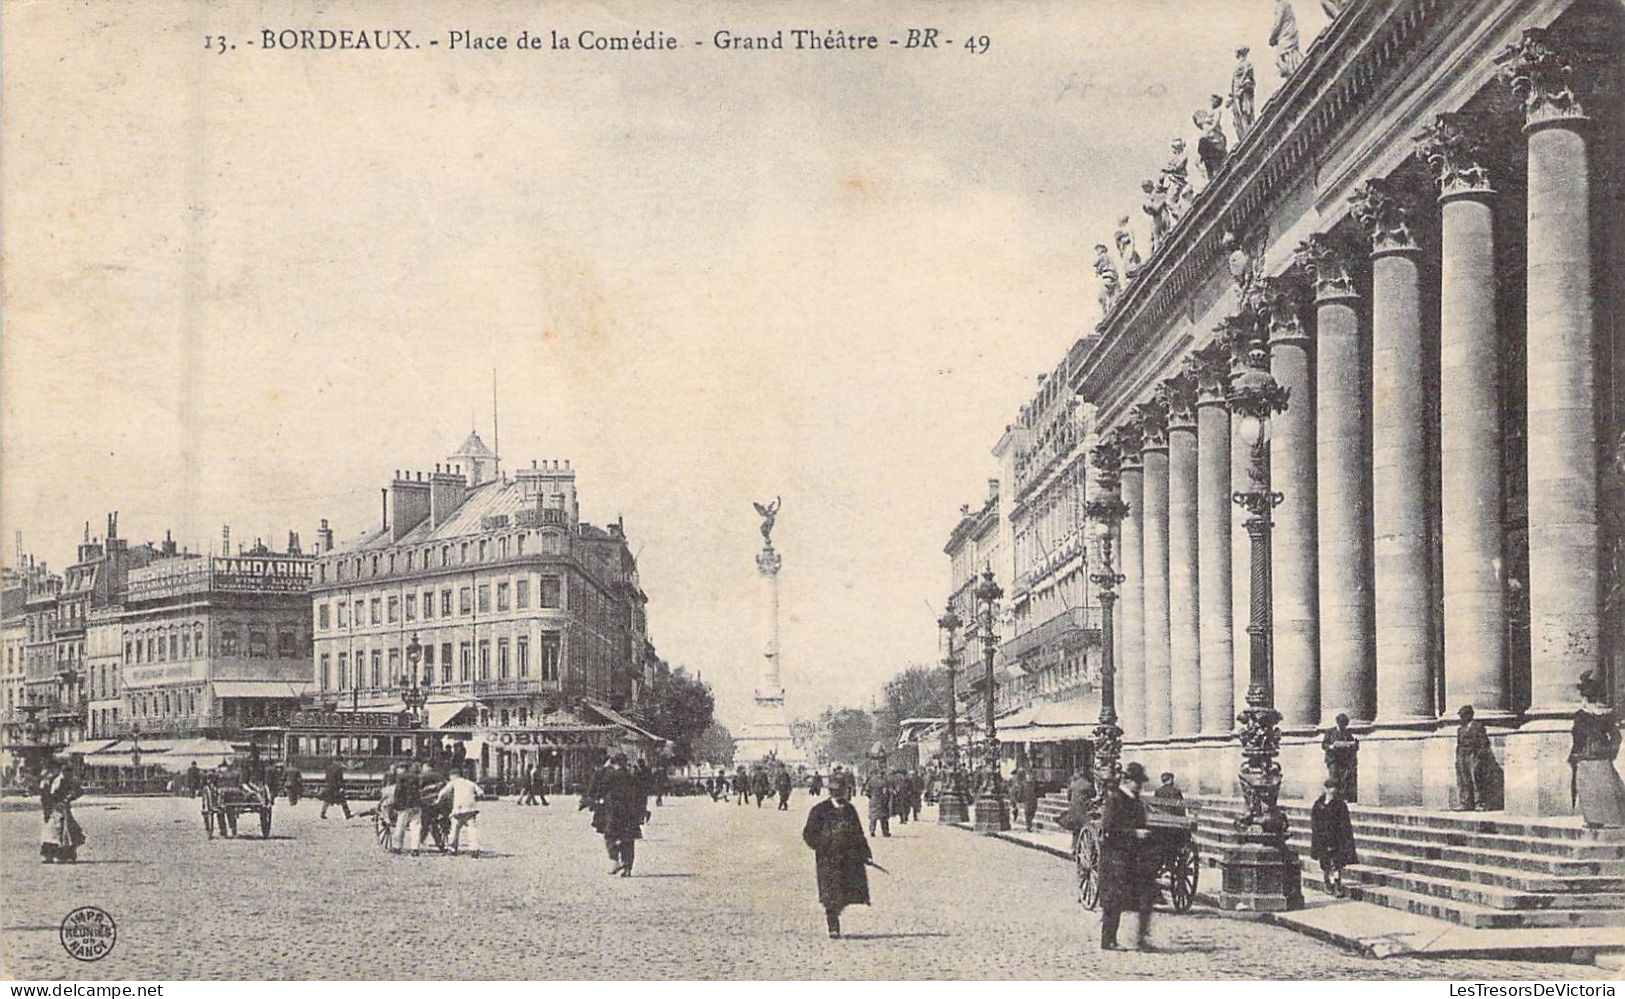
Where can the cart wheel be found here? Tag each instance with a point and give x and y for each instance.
(1184, 870)
(1086, 857)
(265, 823)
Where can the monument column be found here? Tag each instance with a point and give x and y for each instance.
(1564, 549)
(1294, 575)
(768, 734)
(1131, 602)
(1178, 394)
(1469, 423)
(1347, 656)
(1211, 369)
(1154, 525)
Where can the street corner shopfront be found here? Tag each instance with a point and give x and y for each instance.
(1053, 739)
(566, 746)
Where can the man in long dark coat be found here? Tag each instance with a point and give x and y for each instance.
(333, 787)
(835, 834)
(782, 785)
(1124, 884)
(622, 802)
(1475, 763)
(878, 790)
(1331, 836)
(759, 786)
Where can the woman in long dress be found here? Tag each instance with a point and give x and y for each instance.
(61, 835)
(1598, 792)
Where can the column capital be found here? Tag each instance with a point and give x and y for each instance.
(1279, 301)
(1380, 205)
(1178, 396)
(1453, 149)
(1153, 417)
(1129, 437)
(1209, 365)
(1542, 75)
(1328, 265)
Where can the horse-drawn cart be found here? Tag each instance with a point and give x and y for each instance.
(223, 802)
(1169, 846)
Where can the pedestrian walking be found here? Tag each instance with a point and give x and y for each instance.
(1126, 884)
(1342, 751)
(294, 785)
(878, 790)
(741, 786)
(1595, 788)
(461, 797)
(1027, 793)
(408, 808)
(782, 785)
(333, 787)
(759, 786)
(815, 784)
(899, 796)
(621, 807)
(1331, 837)
(194, 780)
(835, 834)
(61, 836)
(916, 794)
(538, 786)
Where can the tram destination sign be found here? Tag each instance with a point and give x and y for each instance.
(313, 718)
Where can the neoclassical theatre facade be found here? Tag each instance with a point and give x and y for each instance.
(1425, 227)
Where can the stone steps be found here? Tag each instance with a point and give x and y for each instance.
(1482, 917)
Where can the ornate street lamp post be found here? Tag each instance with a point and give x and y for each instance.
(413, 695)
(1106, 512)
(990, 814)
(951, 803)
(1260, 873)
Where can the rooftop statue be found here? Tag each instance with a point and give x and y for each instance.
(1212, 145)
(770, 513)
(1156, 206)
(1126, 251)
(1242, 85)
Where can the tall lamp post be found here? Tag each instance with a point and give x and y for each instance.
(990, 814)
(1107, 512)
(1260, 873)
(951, 803)
(413, 695)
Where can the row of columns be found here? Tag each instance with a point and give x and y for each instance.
(1353, 606)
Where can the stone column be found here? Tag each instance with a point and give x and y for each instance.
(1211, 368)
(1401, 554)
(1347, 657)
(1154, 453)
(1469, 423)
(1241, 582)
(1131, 595)
(1294, 576)
(1178, 394)
(1563, 545)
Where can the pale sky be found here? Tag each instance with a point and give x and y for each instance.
(245, 288)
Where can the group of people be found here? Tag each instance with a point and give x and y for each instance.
(761, 782)
(896, 795)
(618, 795)
(419, 802)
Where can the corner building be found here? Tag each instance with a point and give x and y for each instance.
(530, 623)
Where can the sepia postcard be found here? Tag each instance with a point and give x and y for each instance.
(804, 490)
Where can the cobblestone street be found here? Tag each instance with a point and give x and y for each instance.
(720, 892)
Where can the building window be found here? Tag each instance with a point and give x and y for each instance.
(428, 605)
(428, 664)
(129, 652)
(485, 598)
(394, 609)
(502, 659)
(392, 563)
(174, 644)
(343, 614)
(502, 547)
(259, 643)
(445, 554)
(327, 672)
(377, 611)
(519, 543)
(521, 594)
(161, 649)
(463, 553)
(482, 550)
(445, 603)
(395, 673)
(287, 643)
(465, 662)
(321, 617)
(465, 600)
(502, 596)
(409, 560)
(550, 657)
(549, 594)
(344, 670)
(197, 640)
(445, 663)
(377, 669)
(375, 565)
(485, 659)
(191, 702)
(522, 656)
(411, 606)
(228, 641)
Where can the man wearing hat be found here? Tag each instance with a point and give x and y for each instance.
(1123, 869)
(835, 833)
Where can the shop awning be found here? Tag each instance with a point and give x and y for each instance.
(178, 755)
(1053, 721)
(624, 722)
(441, 713)
(279, 689)
(85, 747)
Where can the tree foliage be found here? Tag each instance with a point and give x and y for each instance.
(916, 692)
(715, 746)
(681, 710)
